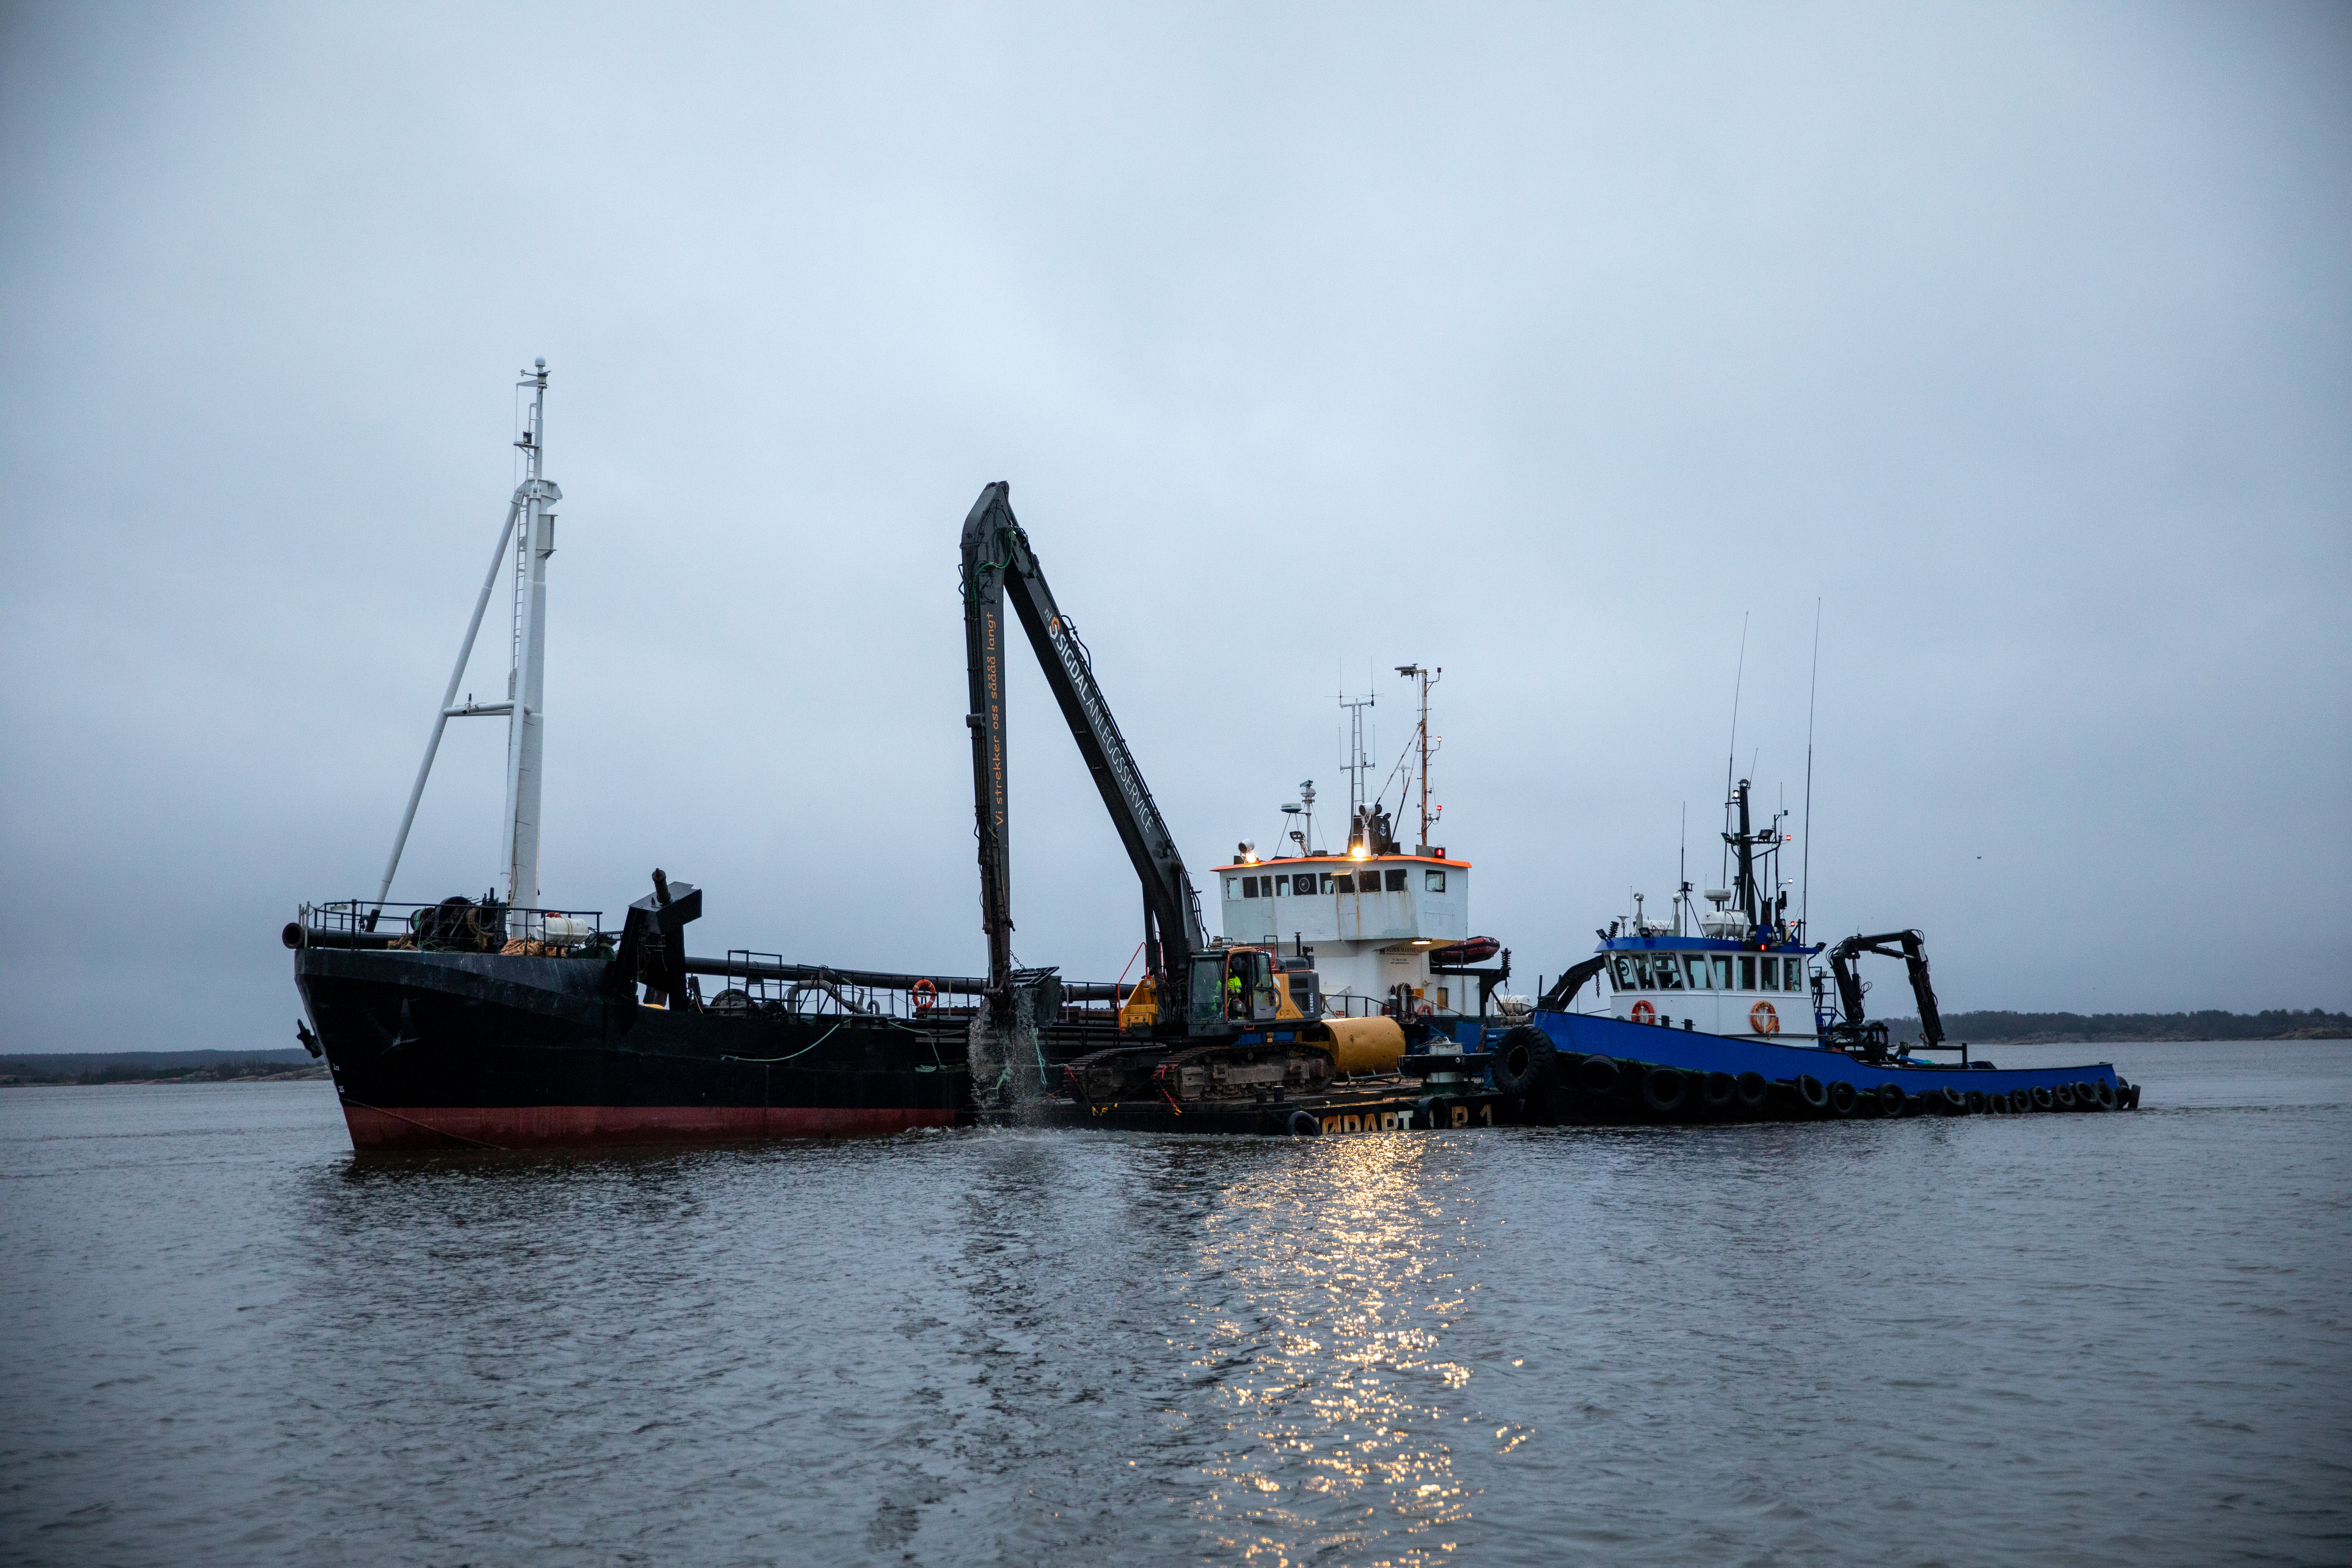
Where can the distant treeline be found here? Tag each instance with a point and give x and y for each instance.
(159, 1066)
(2026, 1028)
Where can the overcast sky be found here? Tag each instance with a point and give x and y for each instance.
(1540, 343)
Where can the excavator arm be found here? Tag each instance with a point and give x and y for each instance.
(998, 564)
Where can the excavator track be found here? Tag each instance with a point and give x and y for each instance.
(1261, 1072)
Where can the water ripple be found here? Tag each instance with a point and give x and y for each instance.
(2082, 1340)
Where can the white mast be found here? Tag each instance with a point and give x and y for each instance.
(526, 724)
(526, 682)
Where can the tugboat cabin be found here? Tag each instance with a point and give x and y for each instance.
(1745, 973)
(1372, 921)
(1713, 985)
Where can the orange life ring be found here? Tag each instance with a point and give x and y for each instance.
(1423, 1010)
(1763, 1019)
(1643, 1013)
(925, 995)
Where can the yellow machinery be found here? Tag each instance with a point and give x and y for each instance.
(1266, 989)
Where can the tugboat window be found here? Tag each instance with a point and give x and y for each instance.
(1625, 976)
(1396, 881)
(1747, 973)
(1327, 883)
(1723, 972)
(1249, 886)
(1698, 974)
(1771, 975)
(1281, 885)
(1796, 976)
(1434, 881)
(1641, 975)
(1670, 973)
(1233, 886)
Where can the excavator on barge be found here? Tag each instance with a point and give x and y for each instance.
(1211, 1023)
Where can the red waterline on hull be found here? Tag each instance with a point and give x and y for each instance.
(578, 1126)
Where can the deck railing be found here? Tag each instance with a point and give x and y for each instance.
(453, 925)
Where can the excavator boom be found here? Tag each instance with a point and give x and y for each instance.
(998, 564)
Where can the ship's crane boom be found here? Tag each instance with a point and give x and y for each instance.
(998, 564)
(1912, 949)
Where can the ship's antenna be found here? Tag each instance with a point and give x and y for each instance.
(1428, 678)
(1731, 752)
(1682, 872)
(1358, 764)
(1812, 687)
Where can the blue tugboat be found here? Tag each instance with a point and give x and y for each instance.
(1744, 1019)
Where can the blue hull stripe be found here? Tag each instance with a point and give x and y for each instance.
(1694, 1052)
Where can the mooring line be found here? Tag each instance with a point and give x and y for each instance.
(442, 1131)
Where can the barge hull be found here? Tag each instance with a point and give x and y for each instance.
(1407, 1108)
(434, 1050)
(388, 1129)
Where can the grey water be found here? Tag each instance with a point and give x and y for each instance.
(2089, 1339)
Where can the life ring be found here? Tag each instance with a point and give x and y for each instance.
(1643, 1013)
(927, 996)
(1423, 1010)
(1764, 1019)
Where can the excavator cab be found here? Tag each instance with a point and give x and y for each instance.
(1272, 990)
(1206, 1014)
(1237, 988)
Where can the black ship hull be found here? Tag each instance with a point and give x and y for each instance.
(440, 1050)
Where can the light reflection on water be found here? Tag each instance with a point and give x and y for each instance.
(1339, 1405)
(2090, 1340)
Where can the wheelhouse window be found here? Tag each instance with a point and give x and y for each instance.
(1624, 968)
(1746, 972)
(1249, 886)
(1329, 883)
(1281, 886)
(1796, 976)
(1233, 886)
(1395, 880)
(1771, 968)
(1434, 880)
(1641, 978)
(1698, 977)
